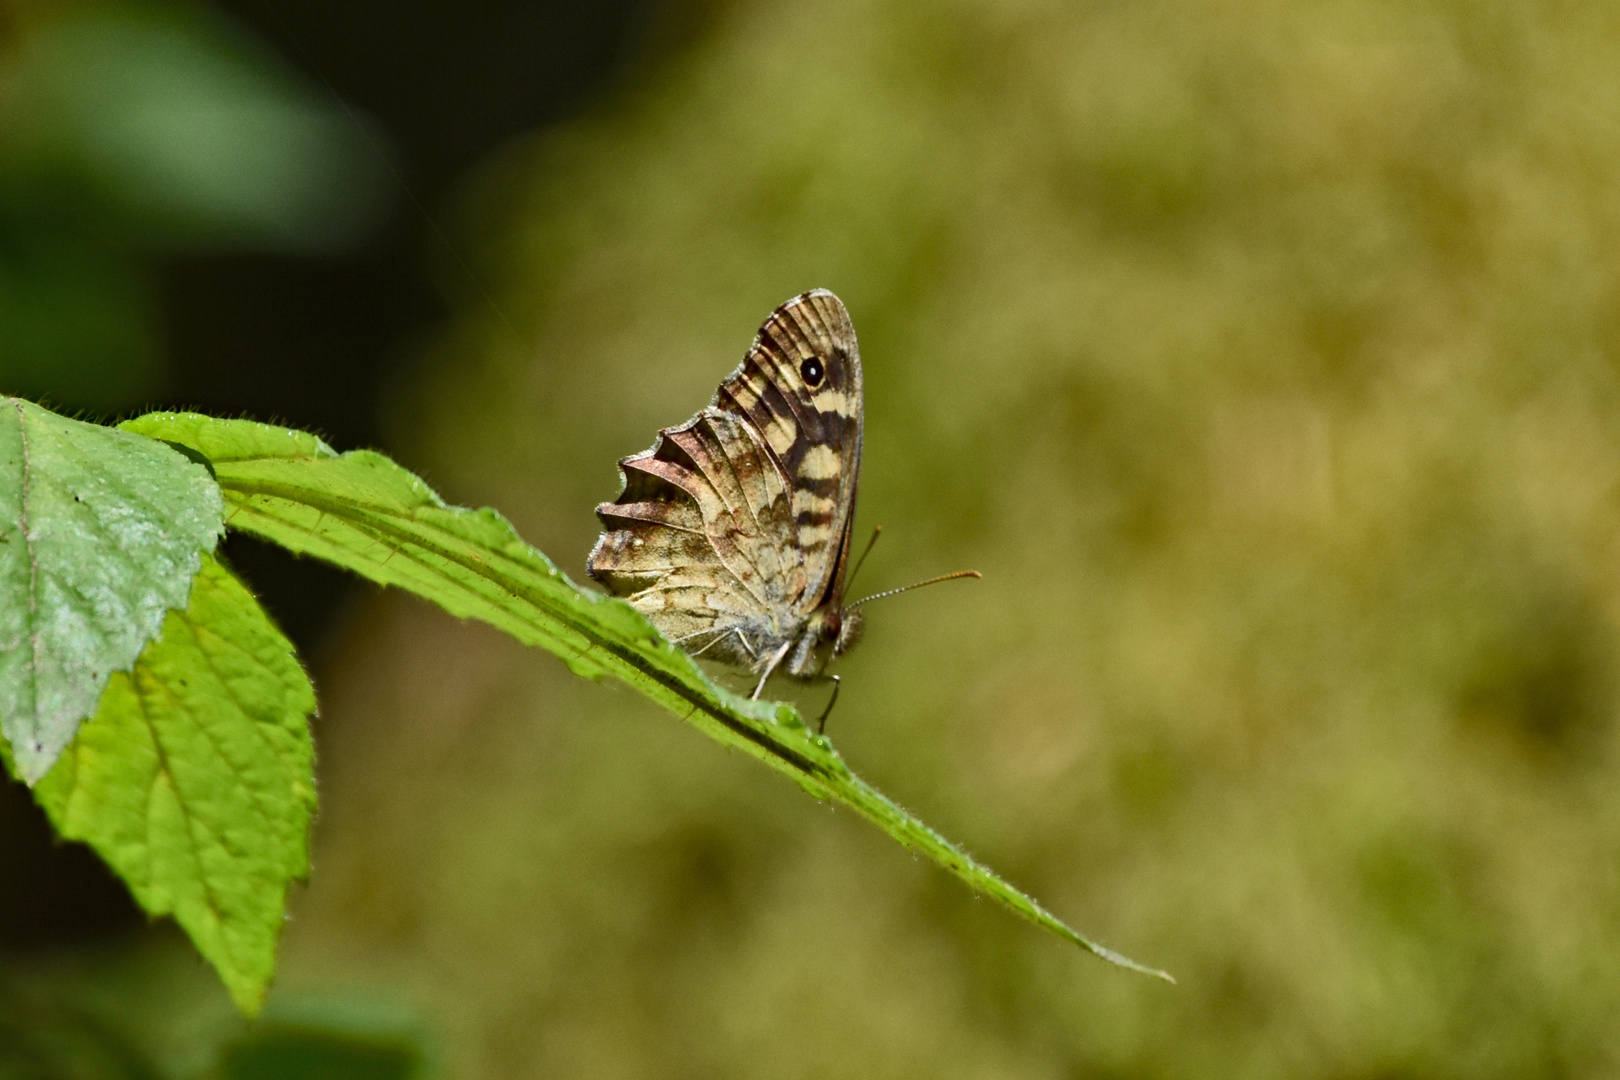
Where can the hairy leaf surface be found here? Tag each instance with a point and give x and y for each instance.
(101, 532)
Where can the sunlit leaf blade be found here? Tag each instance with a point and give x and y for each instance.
(195, 779)
(101, 533)
(363, 512)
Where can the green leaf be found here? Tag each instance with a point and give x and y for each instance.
(195, 779)
(101, 533)
(363, 512)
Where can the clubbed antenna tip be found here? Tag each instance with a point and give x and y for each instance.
(916, 585)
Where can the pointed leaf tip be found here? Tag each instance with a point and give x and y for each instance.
(195, 779)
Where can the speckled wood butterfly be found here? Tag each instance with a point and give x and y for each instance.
(732, 532)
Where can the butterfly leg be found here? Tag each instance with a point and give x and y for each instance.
(821, 721)
(771, 666)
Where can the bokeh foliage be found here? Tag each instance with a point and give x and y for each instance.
(132, 131)
(1263, 357)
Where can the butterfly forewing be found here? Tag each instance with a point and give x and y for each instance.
(814, 430)
(732, 530)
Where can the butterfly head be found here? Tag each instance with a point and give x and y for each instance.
(851, 625)
(830, 632)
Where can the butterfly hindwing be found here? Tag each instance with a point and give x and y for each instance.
(731, 532)
(685, 544)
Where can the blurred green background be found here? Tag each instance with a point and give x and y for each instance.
(1264, 357)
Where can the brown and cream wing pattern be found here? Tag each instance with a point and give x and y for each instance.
(730, 531)
(800, 387)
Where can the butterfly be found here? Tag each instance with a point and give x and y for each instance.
(731, 534)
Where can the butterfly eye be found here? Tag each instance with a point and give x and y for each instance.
(812, 371)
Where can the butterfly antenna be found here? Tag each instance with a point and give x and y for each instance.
(876, 532)
(915, 585)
